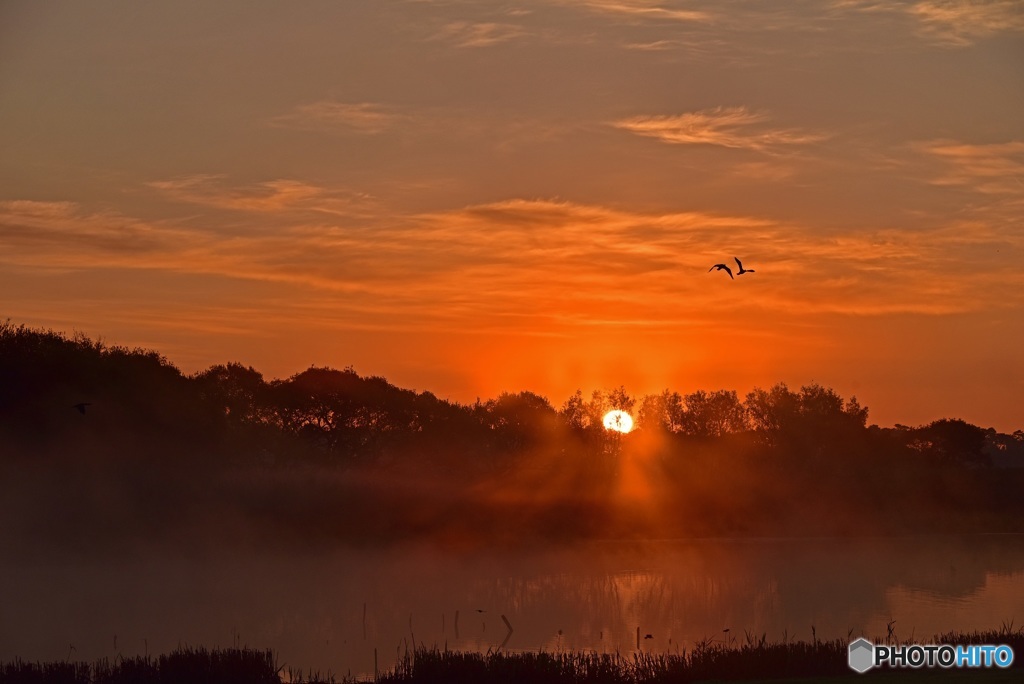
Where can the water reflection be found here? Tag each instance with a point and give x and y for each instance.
(331, 612)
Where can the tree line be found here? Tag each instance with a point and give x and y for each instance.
(356, 419)
(770, 461)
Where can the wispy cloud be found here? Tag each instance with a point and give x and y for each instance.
(267, 197)
(472, 34)
(502, 129)
(765, 171)
(652, 46)
(34, 209)
(994, 169)
(366, 118)
(950, 22)
(961, 22)
(520, 260)
(736, 127)
(645, 9)
(64, 234)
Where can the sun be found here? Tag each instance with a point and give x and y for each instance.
(617, 420)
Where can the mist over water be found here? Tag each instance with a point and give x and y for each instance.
(309, 607)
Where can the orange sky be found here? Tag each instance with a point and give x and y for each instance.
(470, 197)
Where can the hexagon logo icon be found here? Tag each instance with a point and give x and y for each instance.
(862, 655)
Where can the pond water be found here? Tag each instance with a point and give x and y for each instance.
(330, 612)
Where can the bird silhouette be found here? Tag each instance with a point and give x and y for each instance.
(81, 407)
(721, 267)
(742, 270)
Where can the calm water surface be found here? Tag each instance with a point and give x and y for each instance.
(329, 612)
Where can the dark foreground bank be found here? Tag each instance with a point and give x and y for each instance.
(754, 661)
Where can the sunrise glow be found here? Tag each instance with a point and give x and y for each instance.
(291, 188)
(618, 421)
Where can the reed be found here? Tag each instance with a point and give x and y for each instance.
(184, 666)
(755, 660)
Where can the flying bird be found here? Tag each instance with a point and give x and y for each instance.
(742, 270)
(81, 407)
(721, 267)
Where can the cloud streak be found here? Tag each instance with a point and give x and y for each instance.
(269, 197)
(992, 169)
(733, 127)
(478, 34)
(644, 9)
(953, 23)
(962, 22)
(505, 264)
(364, 118)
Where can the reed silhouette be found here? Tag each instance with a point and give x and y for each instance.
(756, 659)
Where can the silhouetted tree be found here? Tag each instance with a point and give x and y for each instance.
(574, 412)
(336, 410)
(769, 412)
(661, 411)
(238, 390)
(823, 406)
(586, 417)
(712, 414)
(518, 421)
(596, 409)
(619, 399)
(814, 422)
(950, 441)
